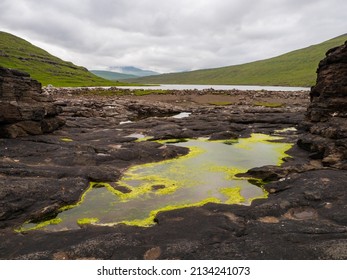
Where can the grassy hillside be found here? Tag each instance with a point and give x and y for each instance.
(19, 54)
(297, 68)
(113, 76)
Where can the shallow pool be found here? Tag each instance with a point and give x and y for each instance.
(206, 174)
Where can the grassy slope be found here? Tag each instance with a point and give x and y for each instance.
(17, 53)
(113, 76)
(297, 68)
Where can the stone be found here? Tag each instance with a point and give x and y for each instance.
(304, 212)
(225, 135)
(24, 110)
(152, 254)
(326, 118)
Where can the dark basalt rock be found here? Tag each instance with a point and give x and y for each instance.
(24, 110)
(326, 120)
(303, 217)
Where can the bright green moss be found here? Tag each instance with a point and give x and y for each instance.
(233, 195)
(87, 221)
(28, 226)
(150, 220)
(67, 207)
(65, 139)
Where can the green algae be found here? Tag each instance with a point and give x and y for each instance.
(29, 226)
(233, 195)
(172, 141)
(65, 139)
(230, 141)
(206, 174)
(150, 220)
(87, 221)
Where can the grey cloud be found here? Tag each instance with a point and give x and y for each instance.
(172, 35)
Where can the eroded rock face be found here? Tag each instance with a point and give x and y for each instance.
(327, 114)
(23, 109)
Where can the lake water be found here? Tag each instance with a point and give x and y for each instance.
(206, 174)
(219, 87)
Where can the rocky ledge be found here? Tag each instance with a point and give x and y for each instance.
(326, 121)
(24, 110)
(304, 216)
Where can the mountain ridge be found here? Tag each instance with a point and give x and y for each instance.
(295, 68)
(132, 70)
(17, 53)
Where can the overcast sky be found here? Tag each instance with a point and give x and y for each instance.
(172, 35)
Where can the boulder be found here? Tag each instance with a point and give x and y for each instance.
(326, 118)
(24, 110)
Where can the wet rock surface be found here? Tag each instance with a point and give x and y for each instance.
(303, 218)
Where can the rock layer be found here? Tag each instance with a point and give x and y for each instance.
(326, 120)
(24, 110)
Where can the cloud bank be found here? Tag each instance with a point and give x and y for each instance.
(172, 35)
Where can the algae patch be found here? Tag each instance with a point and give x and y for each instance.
(206, 174)
(66, 139)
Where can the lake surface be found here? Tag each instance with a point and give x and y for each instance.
(219, 87)
(206, 174)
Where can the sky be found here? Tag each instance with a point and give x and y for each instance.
(172, 35)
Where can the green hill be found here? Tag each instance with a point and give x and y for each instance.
(17, 53)
(113, 76)
(296, 68)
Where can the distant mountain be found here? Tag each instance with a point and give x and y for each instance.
(112, 76)
(131, 70)
(17, 53)
(296, 68)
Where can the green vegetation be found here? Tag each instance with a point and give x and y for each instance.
(19, 54)
(296, 68)
(28, 226)
(269, 104)
(140, 92)
(87, 221)
(65, 139)
(233, 194)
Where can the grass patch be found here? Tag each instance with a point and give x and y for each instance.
(141, 92)
(269, 104)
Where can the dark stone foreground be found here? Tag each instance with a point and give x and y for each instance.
(304, 217)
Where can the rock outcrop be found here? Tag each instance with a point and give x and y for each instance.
(326, 120)
(24, 110)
